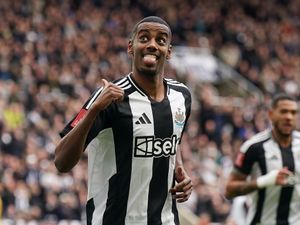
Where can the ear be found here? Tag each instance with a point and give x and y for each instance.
(130, 48)
(270, 114)
(169, 52)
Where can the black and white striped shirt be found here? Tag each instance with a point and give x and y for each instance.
(276, 204)
(131, 156)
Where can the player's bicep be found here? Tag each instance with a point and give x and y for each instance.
(75, 120)
(245, 159)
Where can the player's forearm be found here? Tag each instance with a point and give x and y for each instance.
(71, 147)
(237, 188)
(178, 159)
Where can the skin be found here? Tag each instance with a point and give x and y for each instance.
(183, 189)
(283, 117)
(69, 150)
(150, 39)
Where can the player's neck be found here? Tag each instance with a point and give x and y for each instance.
(152, 86)
(283, 140)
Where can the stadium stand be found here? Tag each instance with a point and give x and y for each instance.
(53, 53)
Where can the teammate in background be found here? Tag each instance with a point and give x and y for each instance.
(268, 168)
(131, 129)
(1, 209)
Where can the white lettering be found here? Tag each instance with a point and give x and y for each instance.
(167, 146)
(155, 147)
(157, 150)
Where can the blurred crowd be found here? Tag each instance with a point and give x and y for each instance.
(53, 54)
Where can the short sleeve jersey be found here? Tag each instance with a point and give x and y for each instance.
(275, 204)
(131, 155)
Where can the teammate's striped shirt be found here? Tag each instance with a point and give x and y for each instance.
(273, 205)
(131, 156)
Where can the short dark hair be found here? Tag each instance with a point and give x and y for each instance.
(149, 19)
(280, 97)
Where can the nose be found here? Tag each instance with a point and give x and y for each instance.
(152, 45)
(289, 115)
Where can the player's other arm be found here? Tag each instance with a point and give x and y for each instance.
(238, 185)
(71, 147)
(184, 186)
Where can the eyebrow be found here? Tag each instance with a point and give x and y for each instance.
(147, 31)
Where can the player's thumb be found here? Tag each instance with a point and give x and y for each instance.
(180, 174)
(104, 83)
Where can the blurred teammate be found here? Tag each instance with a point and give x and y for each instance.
(1, 209)
(131, 129)
(268, 168)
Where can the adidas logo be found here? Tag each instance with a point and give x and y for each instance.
(143, 119)
(274, 157)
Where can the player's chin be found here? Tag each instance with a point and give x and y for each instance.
(151, 72)
(287, 131)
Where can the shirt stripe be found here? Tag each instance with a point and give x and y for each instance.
(163, 128)
(286, 192)
(139, 189)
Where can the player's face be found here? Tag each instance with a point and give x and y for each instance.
(150, 48)
(284, 117)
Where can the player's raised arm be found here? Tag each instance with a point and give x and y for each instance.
(70, 148)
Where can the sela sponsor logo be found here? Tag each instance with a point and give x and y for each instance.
(149, 146)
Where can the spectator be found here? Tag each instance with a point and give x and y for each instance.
(52, 52)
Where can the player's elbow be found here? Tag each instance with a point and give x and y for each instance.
(228, 192)
(61, 166)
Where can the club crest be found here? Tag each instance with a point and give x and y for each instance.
(179, 117)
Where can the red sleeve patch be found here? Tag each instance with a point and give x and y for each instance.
(79, 116)
(239, 159)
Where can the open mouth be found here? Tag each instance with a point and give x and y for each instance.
(149, 59)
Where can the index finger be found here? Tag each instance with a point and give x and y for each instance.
(286, 171)
(182, 184)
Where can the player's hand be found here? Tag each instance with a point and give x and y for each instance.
(275, 177)
(183, 189)
(283, 177)
(110, 93)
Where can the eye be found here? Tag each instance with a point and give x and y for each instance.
(143, 38)
(161, 41)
